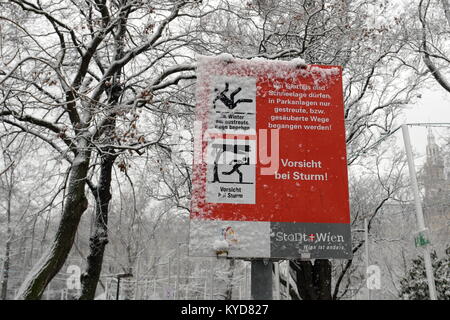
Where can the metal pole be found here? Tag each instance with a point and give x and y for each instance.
(261, 279)
(366, 242)
(246, 291)
(106, 288)
(288, 276)
(177, 279)
(145, 294)
(249, 280)
(118, 288)
(419, 213)
(212, 280)
(168, 293)
(277, 280)
(136, 287)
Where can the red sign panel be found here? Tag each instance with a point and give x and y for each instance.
(270, 147)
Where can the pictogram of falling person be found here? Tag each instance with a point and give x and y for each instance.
(229, 101)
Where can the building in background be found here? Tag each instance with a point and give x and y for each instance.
(436, 201)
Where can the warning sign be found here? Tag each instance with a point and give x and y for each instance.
(231, 171)
(232, 159)
(270, 161)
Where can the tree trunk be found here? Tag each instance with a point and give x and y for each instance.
(75, 204)
(5, 273)
(313, 280)
(229, 290)
(99, 239)
(102, 194)
(292, 293)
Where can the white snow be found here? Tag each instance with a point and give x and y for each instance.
(298, 62)
(225, 57)
(220, 245)
(262, 68)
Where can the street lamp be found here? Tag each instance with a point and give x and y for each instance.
(120, 276)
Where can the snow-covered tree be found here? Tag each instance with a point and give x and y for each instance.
(433, 43)
(414, 285)
(106, 85)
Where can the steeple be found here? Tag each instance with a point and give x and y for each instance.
(436, 198)
(434, 176)
(430, 137)
(434, 156)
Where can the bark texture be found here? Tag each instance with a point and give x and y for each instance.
(52, 261)
(99, 238)
(313, 280)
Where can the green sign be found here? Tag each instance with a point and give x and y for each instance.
(421, 240)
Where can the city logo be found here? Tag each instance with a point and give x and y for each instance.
(229, 235)
(326, 237)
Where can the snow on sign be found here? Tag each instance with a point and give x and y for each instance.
(270, 167)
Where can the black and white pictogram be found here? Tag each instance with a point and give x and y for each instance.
(233, 104)
(224, 166)
(232, 157)
(231, 171)
(229, 101)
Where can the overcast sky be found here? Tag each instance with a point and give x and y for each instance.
(434, 107)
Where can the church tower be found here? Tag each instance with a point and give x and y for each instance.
(437, 195)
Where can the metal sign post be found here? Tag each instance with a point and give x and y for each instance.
(419, 212)
(276, 269)
(261, 279)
